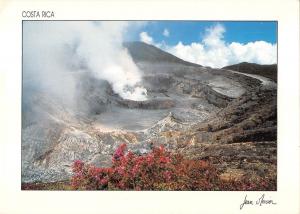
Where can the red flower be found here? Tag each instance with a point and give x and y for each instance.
(104, 181)
(167, 175)
(119, 152)
(164, 159)
(157, 170)
(77, 166)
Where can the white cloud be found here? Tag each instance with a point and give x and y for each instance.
(144, 37)
(214, 36)
(213, 51)
(166, 32)
(259, 52)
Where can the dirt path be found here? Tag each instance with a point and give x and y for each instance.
(264, 81)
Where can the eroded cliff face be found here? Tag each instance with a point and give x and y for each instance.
(203, 113)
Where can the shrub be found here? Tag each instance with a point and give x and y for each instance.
(157, 170)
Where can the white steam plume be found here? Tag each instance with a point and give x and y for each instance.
(52, 50)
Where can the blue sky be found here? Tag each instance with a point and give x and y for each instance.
(211, 43)
(193, 31)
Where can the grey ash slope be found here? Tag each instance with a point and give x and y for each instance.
(200, 112)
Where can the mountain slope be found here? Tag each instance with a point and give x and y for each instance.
(269, 71)
(144, 52)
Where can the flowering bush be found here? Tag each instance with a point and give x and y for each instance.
(157, 170)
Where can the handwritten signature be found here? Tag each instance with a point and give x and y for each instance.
(259, 202)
